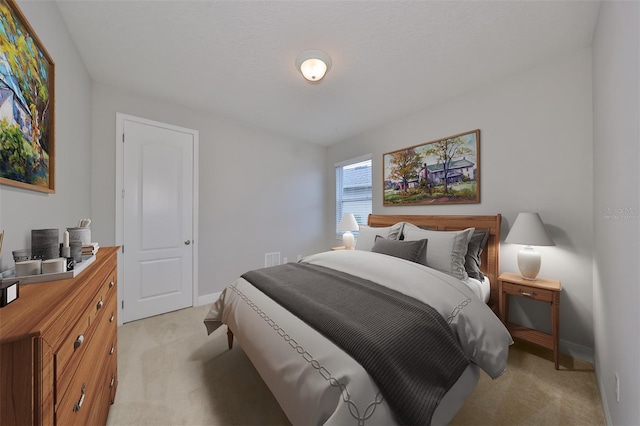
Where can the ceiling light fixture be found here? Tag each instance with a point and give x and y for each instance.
(313, 64)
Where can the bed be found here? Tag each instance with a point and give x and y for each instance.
(322, 371)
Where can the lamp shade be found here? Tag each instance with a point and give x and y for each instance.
(348, 223)
(529, 230)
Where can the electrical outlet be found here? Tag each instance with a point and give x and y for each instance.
(617, 388)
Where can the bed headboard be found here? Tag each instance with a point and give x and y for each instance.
(490, 256)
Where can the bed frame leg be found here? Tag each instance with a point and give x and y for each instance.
(229, 338)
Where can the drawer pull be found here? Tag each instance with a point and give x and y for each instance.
(111, 283)
(113, 380)
(524, 293)
(112, 317)
(78, 342)
(78, 404)
(99, 305)
(112, 348)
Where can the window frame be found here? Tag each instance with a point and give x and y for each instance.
(340, 193)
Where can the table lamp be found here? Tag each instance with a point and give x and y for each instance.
(529, 230)
(348, 223)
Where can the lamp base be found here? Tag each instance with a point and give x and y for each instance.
(529, 263)
(348, 240)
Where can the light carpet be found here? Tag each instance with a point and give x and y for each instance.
(171, 373)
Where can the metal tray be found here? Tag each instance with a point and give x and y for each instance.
(10, 274)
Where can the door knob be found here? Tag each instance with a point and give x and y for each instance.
(186, 243)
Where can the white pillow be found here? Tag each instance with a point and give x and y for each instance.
(367, 235)
(445, 251)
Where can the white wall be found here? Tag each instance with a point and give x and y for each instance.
(536, 155)
(258, 193)
(616, 74)
(22, 210)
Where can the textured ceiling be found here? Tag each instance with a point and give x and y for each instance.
(390, 58)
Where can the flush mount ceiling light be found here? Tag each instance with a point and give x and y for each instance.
(313, 64)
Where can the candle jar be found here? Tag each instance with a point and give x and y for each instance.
(81, 235)
(76, 251)
(44, 244)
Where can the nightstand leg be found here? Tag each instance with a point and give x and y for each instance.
(503, 301)
(555, 324)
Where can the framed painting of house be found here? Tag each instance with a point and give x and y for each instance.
(27, 133)
(445, 171)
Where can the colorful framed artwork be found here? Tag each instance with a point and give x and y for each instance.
(445, 171)
(27, 132)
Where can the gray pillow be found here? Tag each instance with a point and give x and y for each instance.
(367, 235)
(408, 250)
(447, 249)
(476, 245)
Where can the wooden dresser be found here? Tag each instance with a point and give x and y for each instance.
(58, 349)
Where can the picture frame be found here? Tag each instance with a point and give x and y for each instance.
(444, 171)
(27, 105)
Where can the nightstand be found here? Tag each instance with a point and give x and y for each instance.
(340, 248)
(543, 290)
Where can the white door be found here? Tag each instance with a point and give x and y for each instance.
(158, 218)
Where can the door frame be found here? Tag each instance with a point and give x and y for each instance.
(119, 202)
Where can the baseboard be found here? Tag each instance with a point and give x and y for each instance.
(577, 351)
(208, 298)
(603, 396)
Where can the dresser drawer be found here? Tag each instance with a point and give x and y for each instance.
(112, 370)
(71, 353)
(87, 389)
(528, 292)
(104, 337)
(106, 390)
(106, 290)
(108, 330)
(82, 394)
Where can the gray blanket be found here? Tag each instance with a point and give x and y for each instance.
(405, 345)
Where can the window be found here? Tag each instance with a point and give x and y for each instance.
(353, 189)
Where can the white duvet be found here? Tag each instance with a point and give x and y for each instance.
(314, 381)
